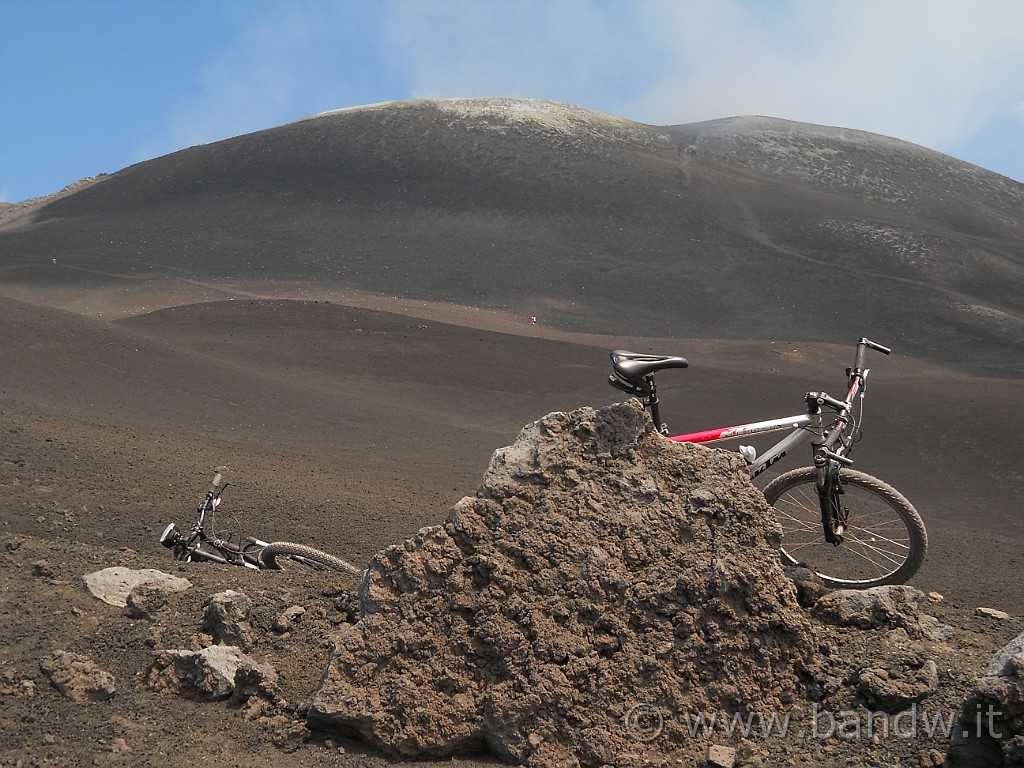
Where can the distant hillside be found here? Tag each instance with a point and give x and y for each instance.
(746, 227)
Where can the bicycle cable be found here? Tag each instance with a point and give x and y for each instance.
(856, 433)
(212, 527)
(859, 420)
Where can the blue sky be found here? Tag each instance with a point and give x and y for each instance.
(92, 86)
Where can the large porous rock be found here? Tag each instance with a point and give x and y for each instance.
(602, 583)
(990, 730)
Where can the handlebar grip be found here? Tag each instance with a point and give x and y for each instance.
(862, 344)
(875, 346)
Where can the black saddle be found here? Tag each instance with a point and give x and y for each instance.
(631, 369)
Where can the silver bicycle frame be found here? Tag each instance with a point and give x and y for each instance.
(805, 428)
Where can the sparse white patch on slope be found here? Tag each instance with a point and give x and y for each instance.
(360, 108)
(884, 168)
(551, 114)
(499, 114)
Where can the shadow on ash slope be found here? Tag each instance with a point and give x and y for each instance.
(565, 593)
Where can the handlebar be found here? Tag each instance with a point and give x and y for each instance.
(826, 450)
(862, 344)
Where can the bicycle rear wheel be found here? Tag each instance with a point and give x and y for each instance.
(884, 542)
(301, 555)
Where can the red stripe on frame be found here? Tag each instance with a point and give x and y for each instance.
(702, 437)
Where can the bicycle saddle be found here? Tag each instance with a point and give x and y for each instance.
(631, 369)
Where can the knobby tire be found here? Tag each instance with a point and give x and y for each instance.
(308, 556)
(885, 541)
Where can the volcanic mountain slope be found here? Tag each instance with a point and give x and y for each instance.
(348, 427)
(739, 228)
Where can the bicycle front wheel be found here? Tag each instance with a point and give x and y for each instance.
(299, 554)
(884, 541)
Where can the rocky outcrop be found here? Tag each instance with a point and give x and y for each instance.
(990, 729)
(603, 599)
(601, 581)
(113, 585)
(897, 683)
(203, 675)
(226, 618)
(878, 607)
(77, 677)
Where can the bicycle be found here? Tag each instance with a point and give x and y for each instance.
(850, 528)
(253, 553)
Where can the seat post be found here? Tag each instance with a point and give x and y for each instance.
(652, 404)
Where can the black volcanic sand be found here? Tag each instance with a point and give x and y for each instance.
(353, 428)
(349, 429)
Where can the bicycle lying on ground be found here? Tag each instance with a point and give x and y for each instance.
(248, 553)
(851, 529)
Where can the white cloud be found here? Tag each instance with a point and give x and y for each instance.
(935, 72)
(929, 71)
(921, 70)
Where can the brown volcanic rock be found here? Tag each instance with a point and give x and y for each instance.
(78, 678)
(601, 582)
(989, 732)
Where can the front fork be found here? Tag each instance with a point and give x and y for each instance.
(829, 485)
(830, 500)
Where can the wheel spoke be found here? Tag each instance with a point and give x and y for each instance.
(862, 550)
(883, 542)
